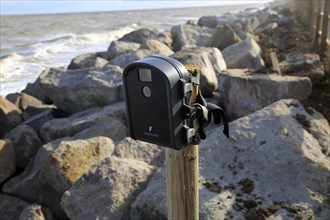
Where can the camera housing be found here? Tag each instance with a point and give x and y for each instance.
(157, 93)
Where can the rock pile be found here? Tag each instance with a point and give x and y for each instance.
(272, 166)
(65, 151)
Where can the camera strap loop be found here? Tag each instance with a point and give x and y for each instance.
(218, 113)
(202, 114)
(199, 119)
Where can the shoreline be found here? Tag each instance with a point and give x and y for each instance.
(30, 41)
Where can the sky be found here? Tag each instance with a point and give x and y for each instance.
(8, 7)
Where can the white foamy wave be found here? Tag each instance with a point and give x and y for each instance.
(8, 59)
(56, 40)
(8, 66)
(26, 65)
(94, 37)
(15, 73)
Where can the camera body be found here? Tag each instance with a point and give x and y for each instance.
(157, 93)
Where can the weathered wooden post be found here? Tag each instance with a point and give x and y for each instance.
(313, 17)
(165, 107)
(317, 25)
(182, 183)
(325, 26)
(182, 175)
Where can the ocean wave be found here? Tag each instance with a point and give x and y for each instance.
(89, 37)
(8, 59)
(70, 45)
(14, 66)
(30, 60)
(60, 39)
(92, 37)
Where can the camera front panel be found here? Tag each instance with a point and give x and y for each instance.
(148, 105)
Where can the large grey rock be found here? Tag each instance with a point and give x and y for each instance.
(243, 93)
(271, 165)
(273, 21)
(29, 105)
(107, 190)
(119, 47)
(214, 21)
(152, 202)
(36, 212)
(250, 23)
(240, 26)
(187, 35)
(142, 35)
(246, 54)
(55, 168)
(166, 38)
(88, 60)
(72, 159)
(268, 13)
(211, 62)
(28, 185)
(308, 65)
(26, 143)
(266, 27)
(10, 116)
(76, 90)
(220, 22)
(139, 150)
(124, 59)
(117, 110)
(38, 120)
(110, 127)
(254, 17)
(7, 160)
(90, 123)
(223, 37)
(123, 53)
(11, 207)
(216, 59)
(157, 47)
(242, 22)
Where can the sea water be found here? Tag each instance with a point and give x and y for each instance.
(31, 43)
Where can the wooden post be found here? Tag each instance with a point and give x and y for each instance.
(313, 17)
(310, 15)
(328, 54)
(325, 26)
(182, 179)
(317, 26)
(306, 11)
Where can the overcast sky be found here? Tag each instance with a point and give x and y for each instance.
(52, 6)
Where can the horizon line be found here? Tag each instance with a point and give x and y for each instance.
(120, 6)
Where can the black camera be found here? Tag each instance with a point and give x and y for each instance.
(157, 91)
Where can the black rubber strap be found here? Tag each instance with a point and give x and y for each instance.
(204, 113)
(200, 121)
(218, 113)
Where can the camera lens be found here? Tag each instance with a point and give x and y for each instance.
(146, 91)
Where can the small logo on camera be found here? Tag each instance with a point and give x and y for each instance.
(150, 133)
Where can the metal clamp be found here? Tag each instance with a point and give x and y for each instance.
(190, 132)
(187, 88)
